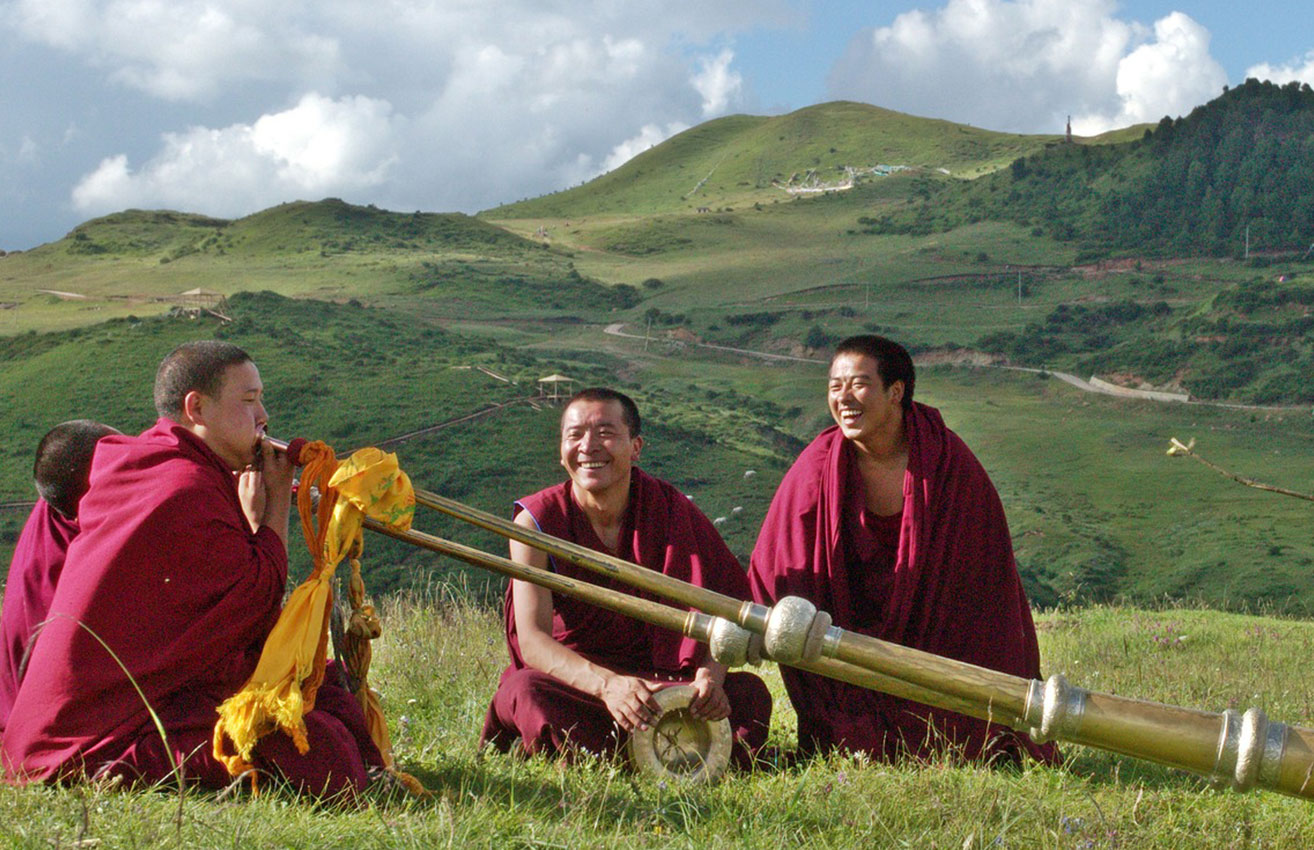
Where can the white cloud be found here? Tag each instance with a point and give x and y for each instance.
(1167, 76)
(183, 49)
(490, 102)
(718, 85)
(650, 135)
(319, 147)
(1025, 65)
(1301, 71)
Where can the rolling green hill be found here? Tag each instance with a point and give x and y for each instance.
(370, 324)
(356, 376)
(1235, 175)
(140, 262)
(744, 159)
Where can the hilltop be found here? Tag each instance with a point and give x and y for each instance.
(742, 159)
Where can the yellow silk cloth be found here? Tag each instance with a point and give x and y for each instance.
(291, 667)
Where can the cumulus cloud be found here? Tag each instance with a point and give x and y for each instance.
(183, 49)
(1297, 71)
(1167, 76)
(486, 102)
(717, 83)
(650, 135)
(1025, 65)
(319, 147)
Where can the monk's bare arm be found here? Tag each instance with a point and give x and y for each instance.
(628, 699)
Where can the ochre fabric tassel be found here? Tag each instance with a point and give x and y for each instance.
(291, 667)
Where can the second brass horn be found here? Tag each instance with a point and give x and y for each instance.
(1244, 751)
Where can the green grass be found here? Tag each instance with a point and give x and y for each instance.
(438, 661)
(1097, 510)
(742, 160)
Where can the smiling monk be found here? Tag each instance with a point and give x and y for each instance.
(581, 677)
(888, 521)
(166, 596)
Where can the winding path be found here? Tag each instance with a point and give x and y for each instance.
(617, 329)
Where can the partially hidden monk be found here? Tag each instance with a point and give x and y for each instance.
(60, 472)
(888, 522)
(167, 594)
(581, 677)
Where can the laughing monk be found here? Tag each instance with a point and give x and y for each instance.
(582, 677)
(888, 521)
(63, 463)
(167, 594)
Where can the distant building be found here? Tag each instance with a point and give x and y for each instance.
(195, 302)
(556, 387)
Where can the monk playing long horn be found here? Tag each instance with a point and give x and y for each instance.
(582, 677)
(889, 522)
(166, 597)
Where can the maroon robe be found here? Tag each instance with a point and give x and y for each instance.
(33, 572)
(166, 581)
(661, 530)
(948, 586)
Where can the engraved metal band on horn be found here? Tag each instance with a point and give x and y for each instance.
(789, 636)
(1250, 750)
(732, 645)
(1054, 708)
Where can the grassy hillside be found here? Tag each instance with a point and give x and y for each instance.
(437, 663)
(744, 159)
(1235, 175)
(355, 376)
(429, 265)
(1098, 511)
(394, 310)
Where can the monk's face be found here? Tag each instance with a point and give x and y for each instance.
(232, 421)
(860, 404)
(596, 446)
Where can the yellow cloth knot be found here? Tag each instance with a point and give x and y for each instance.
(282, 688)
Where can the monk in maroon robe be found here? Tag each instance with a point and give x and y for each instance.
(582, 677)
(63, 463)
(888, 522)
(166, 597)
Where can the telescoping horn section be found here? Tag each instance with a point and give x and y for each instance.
(292, 447)
(1245, 751)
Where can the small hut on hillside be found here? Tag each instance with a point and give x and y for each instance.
(556, 387)
(195, 302)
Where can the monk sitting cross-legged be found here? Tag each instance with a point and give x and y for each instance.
(888, 522)
(581, 677)
(166, 597)
(63, 463)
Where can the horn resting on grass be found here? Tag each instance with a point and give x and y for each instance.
(1242, 750)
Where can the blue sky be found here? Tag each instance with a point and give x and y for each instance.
(226, 107)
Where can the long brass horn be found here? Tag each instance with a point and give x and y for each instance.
(1243, 750)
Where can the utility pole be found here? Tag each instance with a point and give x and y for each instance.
(1019, 285)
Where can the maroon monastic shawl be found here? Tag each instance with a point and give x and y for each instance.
(662, 530)
(167, 573)
(33, 572)
(955, 590)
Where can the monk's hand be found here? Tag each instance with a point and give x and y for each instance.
(710, 701)
(630, 701)
(276, 469)
(251, 493)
